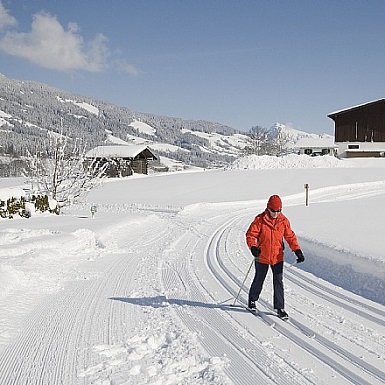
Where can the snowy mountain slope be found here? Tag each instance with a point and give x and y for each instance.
(232, 144)
(86, 106)
(143, 127)
(291, 134)
(30, 112)
(142, 293)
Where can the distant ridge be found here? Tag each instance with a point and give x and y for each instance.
(30, 112)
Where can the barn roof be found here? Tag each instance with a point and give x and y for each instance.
(333, 114)
(125, 151)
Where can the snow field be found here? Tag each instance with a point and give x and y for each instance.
(142, 293)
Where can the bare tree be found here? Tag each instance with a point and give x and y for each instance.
(62, 172)
(281, 142)
(260, 141)
(266, 142)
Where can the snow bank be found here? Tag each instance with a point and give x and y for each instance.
(9, 192)
(253, 162)
(11, 278)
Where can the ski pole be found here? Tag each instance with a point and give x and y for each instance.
(291, 265)
(248, 271)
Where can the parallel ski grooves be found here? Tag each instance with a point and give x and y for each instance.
(214, 254)
(332, 296)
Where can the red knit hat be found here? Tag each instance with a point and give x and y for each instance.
(274, 203)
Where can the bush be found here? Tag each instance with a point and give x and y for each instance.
(17, 206)
(2, 209)
(41, 203)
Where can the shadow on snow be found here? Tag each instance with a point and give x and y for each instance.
(162, 301)
(364, 277)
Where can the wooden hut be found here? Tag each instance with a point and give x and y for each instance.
(122, 160)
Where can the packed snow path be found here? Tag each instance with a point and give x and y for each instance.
(153, 305)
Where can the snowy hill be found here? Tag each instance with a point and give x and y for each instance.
(293, 135)
(30, 112)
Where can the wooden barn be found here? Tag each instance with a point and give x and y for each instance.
(360, 130)
(122, 160)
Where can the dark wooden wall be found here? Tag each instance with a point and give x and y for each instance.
(362, 124)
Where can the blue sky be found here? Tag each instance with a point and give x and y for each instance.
(238, 62)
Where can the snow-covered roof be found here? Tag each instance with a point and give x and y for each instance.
(129, 151)
(321, 142)
(357, 106)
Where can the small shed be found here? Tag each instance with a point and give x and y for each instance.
(123, 160)
(316, 146)
(360, 130)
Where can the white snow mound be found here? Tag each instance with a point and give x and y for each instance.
(252, 162)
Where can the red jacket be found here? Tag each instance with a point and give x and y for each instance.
(268, 234)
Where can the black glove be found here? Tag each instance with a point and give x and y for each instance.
(255, 251)
(299, 254)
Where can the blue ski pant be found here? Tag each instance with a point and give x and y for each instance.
(259, 278)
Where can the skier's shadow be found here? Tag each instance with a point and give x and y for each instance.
(162, 301)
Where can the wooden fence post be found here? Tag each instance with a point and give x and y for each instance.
(307, 194)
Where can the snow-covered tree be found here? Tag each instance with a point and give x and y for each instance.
(266, 142)
(62, 172)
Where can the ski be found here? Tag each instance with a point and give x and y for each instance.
(252, 311)
(242, 306)
(256, 312)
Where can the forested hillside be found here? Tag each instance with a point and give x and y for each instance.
(30, 113)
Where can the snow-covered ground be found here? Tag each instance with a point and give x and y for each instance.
(143, 292)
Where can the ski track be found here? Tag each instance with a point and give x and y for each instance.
(215, 336)
(346, 370)
(59, 336)
(193, 266)
(351, 368)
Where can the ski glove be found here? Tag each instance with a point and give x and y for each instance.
(255, 251)
(299, 254)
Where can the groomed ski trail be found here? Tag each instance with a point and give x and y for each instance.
(166, 287)
(351, 368)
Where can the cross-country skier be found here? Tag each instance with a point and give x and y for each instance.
(265, 239)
